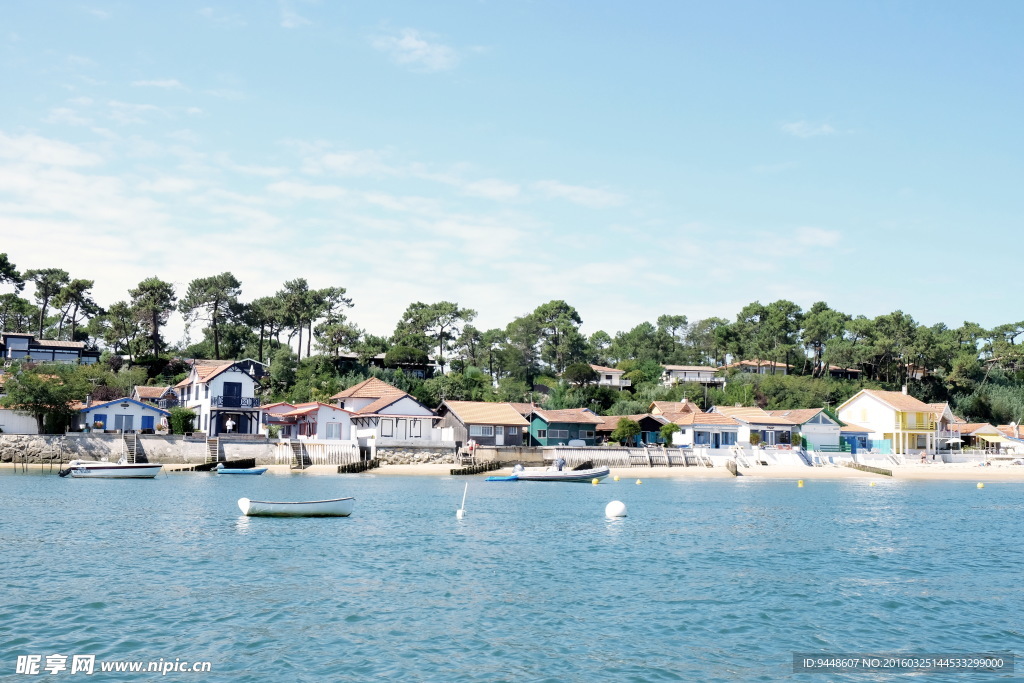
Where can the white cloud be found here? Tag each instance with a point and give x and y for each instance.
(34, 149)
(584, 196)
(806, 129)
(218, 17)
(130, 112)
(78, 60)
(66, 116)
(817, 237)
(411, 48)
(290, 18)
(294, 190)
(165, 83)
(491, 188)
(168, 185)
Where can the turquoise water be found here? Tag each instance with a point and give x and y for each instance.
(704, 580)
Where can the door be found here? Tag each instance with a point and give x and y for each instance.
(716, 440)
(499, 435)
(124, 422)
(401, 428)
(232, 394)
(147, 422)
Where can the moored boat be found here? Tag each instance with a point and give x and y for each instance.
(84, 469)
(584, 472)
(552, 474)
(335, 507)
(239, 470)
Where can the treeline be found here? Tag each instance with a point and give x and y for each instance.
(302, 332)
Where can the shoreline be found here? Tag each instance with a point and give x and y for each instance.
(927, 472)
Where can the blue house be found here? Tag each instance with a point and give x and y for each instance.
(123, 414)
(559, 427)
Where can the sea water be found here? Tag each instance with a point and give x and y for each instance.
(710, 580)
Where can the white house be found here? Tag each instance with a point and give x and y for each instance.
(387, 413)
(819, 430)
(308, 421)
(706, 430)
(123, 414)
(701, 374)
(772, 431)
(223, 397)
(611, 377)
(759, 367)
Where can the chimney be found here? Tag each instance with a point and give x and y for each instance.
(88, 400)
(904, 389)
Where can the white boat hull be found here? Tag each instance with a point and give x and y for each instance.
(539, 474)
(111, 470)
(337, 507)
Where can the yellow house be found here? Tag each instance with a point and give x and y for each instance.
(910, 425)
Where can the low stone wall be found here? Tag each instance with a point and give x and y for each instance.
(527, 456)
(414, 456)
(171, 449)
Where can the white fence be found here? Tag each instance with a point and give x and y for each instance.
(318, 452)
(691, 457)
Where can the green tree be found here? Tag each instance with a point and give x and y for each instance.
(214, 299)
(48, 284)
(9, 274)
(430, 326)
(152, 303)
(626, 431)
(43, 391)
(119, 329)
(75, 303)
(821, 326)
(580, 374)
(16, 314)
(560, 340)
(666, 432)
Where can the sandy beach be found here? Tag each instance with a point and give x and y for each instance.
(936, 472)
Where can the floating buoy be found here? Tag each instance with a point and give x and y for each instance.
(638, 482)
(616, 477)
(980, 485)
(595, 481)
(871, 484)
(616, 508)
(800, 484)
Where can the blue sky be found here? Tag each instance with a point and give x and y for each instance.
(634, 159)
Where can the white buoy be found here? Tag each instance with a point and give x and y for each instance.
(616, 508)
(461, 512)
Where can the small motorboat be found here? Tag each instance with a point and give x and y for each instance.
(239, 470)
(336, 507)
(122, 469)
(585, 472)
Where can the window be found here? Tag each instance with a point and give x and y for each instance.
(206, 391)
(512, 431)
(387, 428)
(333, 430)
(702, 438)
(728, 438)
(586, 434)
(481, 430)
(558, 433)
(542, 433)
(416, 428)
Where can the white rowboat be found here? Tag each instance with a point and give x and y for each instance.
(80, 469)
(336, 507)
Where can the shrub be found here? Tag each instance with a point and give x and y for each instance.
(181, 420)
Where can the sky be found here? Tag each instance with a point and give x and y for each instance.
(631, 158)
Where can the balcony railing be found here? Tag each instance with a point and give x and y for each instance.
(235, 402)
